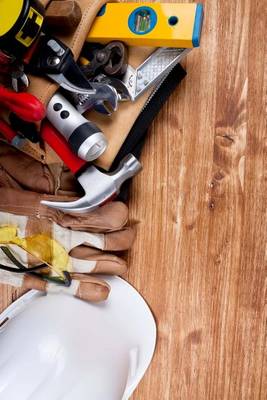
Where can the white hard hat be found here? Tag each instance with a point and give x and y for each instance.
(56, 347)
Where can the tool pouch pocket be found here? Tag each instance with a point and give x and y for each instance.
(56, 177)
(42, 87)
(115, 127)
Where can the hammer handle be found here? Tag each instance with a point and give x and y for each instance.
(59, 144)
(63, 15)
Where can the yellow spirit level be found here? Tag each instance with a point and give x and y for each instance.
(20, 25)
(149, 24)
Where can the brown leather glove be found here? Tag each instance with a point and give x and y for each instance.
(24, 182)
(91, 250)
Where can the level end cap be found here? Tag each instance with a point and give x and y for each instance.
(198, 25)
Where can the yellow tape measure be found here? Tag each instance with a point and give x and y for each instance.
(149, 24)
(20, 25)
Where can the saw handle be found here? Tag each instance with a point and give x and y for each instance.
(59, 144)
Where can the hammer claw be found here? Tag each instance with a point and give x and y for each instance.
(99, 187)
(78, 206)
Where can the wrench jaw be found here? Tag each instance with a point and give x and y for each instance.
(62, 81)
(117, 84)
(104, 100)
(98, 186)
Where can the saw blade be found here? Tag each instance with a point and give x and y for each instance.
(152, 70)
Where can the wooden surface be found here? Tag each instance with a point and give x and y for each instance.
(200, 256)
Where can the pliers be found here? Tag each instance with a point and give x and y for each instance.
(111, 59)
(24, 105)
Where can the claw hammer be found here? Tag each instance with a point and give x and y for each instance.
(99, 187)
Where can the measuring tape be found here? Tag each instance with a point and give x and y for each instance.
(149, 24)
(20, 25)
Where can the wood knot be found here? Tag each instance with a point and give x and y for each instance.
(194, 337)
(219, 175)
(191, 226)
(217, 182)
(211, 205)
(225, 140)
(229, 147)
(217, 260)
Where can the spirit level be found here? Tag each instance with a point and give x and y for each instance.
(149, 24)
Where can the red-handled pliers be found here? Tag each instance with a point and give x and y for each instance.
(10, 135)
(24, 105)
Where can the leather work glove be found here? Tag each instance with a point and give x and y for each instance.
(89, 239)
(87, 252)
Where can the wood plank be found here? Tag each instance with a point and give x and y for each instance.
(200, 256)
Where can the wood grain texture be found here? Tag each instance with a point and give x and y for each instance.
(200, 257)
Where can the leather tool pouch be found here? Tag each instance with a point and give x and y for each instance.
(42, 87)
(40, 170)
(116, 127)
(50, 171)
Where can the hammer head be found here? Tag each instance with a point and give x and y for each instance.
(98, 186)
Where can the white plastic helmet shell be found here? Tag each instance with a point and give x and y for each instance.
(57, 347)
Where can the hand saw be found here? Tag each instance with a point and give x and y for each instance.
(153, 70)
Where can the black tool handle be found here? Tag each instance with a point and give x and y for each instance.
(53, 57)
